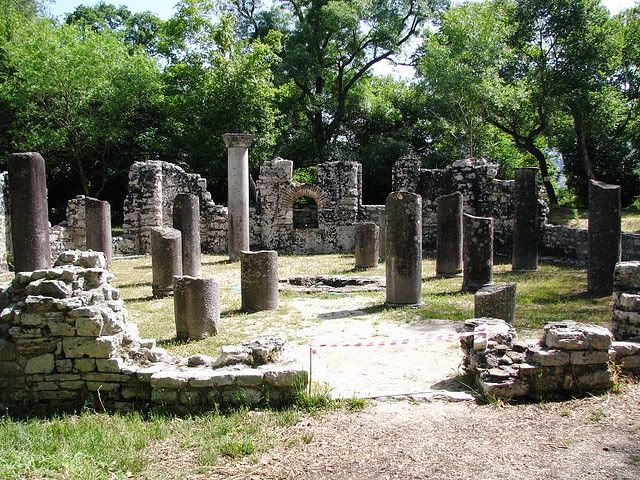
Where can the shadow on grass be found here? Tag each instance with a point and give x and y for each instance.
(140, 299)
(220, 262)
(142, 267)
(135, 284)
(232, 313)
(173, 342)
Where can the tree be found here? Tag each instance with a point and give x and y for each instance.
(82, 99)
(331, 47)
(479, 75)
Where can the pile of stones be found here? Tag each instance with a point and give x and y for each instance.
(65, 340)
(571, 358)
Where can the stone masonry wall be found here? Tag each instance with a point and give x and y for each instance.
(625, 323)
(153, 185)
(65, 340)
(483, 194)
(337, 194)
(571, 358)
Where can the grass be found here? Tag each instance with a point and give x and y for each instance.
(579, 218)
(97, 446)
(553, 293)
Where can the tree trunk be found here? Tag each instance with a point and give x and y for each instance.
(581, 142)
(544, 170)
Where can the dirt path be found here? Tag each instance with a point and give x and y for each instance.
(591, 438)
(420, 367)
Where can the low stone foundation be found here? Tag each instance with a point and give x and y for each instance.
(322, 283)
(65, 340)
(625, 323)
(571, 358)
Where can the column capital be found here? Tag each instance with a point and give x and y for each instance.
(238, 140)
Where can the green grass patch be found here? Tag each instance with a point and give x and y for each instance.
(579, 218)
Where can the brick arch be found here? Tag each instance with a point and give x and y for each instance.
(305, 190)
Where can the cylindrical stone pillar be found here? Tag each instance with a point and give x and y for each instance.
(196, 303)
(477, 252)
(238, 192)
(366, 245)
(404, 248)
(604, 237)
(449, 256)
(97, 214)
(382, 234)
(526, 223)
(29, 212)
(259, 280)
(166, 259)
(186, 219)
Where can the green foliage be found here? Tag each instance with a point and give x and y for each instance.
(305, 175)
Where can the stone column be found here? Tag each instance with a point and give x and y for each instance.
(166, 259)
(477, 252)
(238, 198)
(196, 303)
(449, 256)
(404, 248)
(526, 222)
(29, 211)
(186, 219)
(604, 237)
(97, 215)
(382, 234)
(259, 280)
(366, 245)
(496, 301)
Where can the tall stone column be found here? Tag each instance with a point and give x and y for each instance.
(29, 211)
(477, 252)
(97, 214)
(186, 219)
(366, 245)
(404, 248)
(382, 236)
(449, 256)
(604, 237)
(196, 304)
(166, 259)
(526, 223)
(259, 280)
(238, 198)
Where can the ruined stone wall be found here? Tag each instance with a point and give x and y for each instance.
(573, 243)
(65, 339)
(571, 358)
(483, 194)
(69, 234)
(625, 323)
(153, 186)
(337, 194)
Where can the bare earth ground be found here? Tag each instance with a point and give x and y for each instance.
(591, 438)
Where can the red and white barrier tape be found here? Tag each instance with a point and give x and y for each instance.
(449, 337)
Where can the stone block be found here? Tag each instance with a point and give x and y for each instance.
(88, 347)
(169, 378)
(40, 364)
(211, 377)
(496, 301)
(89, 326)
(286, 377)
(7, 350)
(49, 288)
(551, 358)
(242, 396)
(624, 349)
(164, 396)
(109, 365)
(575, 336)
(627, 276)
(631, 318)
(589, 357)
(628, 301)
(249, 377)
(85, 364)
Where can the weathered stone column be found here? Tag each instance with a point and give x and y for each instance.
(186, 219)
(366, 245)
(496, 301)
(382, 236)
(196, 303)
(259, 280)
(449, 256)
(238, 187)
(477, 252)
(29, 211)
(526, 222)
(604, 237)
(166, 259)
(97, 214)
(404, 248)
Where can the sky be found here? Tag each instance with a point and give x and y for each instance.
(164, 8)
